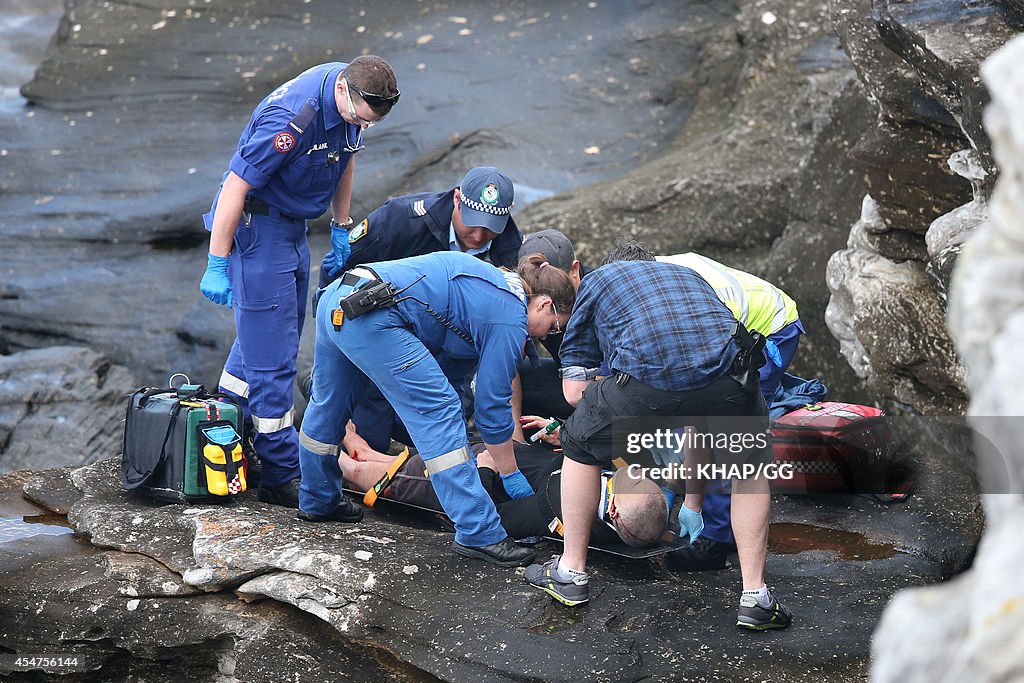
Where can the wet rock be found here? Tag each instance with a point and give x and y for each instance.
(984, 641)
(60, 406)
(127, 616)
(136, 110)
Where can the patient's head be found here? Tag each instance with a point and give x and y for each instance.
(637, 509)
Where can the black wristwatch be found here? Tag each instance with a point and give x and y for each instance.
(346, 225)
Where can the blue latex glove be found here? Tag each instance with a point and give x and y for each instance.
(339, 244)
(690, 523)
(215, 285)
(329, 265)
(516, 485)
(771, 349)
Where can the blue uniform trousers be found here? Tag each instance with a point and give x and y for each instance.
(717, 501)
(378, 347)
(269, 271)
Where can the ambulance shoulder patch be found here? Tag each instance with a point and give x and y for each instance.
(284, 142)
(359, 232)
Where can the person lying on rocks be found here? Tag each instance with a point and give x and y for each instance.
(632, 510)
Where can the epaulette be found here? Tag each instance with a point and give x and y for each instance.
(302, 120)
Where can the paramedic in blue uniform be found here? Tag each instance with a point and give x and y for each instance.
(294, 160)
(453, 312)
(474, 218)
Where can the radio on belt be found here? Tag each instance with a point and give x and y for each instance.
(370, 298)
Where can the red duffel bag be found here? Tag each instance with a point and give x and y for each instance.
(832, 447)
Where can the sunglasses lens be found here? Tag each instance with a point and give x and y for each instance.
(376, 101)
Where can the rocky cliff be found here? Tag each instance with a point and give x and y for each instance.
(984, 641)
(759, 177)
(928, 166)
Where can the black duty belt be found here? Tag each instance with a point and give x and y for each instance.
(261, 208)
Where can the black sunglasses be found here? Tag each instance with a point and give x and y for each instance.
(375, 100)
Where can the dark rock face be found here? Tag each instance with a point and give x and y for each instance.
(60, 405)
(928, 168)
(759, 176)
(155, 582)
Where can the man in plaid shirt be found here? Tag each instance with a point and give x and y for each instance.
(674, 350)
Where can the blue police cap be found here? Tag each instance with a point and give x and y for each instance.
(486, 196)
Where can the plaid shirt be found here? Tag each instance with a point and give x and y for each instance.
(658, 322)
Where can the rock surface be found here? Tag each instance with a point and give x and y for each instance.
(984, 641)
(396, 597)
(60, 405)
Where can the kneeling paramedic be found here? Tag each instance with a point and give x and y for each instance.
(397, 324)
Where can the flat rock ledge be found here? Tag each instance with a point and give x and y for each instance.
(148, 584)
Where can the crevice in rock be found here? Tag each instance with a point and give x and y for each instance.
(180, 242)
(478, 138)
(187, 337)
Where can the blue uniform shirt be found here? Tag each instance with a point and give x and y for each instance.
(660, 323)
(286, 151)
(481, 301)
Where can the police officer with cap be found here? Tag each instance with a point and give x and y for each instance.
(475, 217)
(294, 159)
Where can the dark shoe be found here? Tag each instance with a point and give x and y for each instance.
(304, 380)
(285, 495)
(504, 553)
(753, 617)
(702, 555)
(545, 577)
(347, 511)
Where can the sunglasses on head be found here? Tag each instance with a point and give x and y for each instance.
(375, 100)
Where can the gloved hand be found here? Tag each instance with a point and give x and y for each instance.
(339, 244)
(691, 522)
(516, 485)
(771, 349)
(330, 266)
(215, 285)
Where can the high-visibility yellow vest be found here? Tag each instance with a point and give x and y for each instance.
(759, 305)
